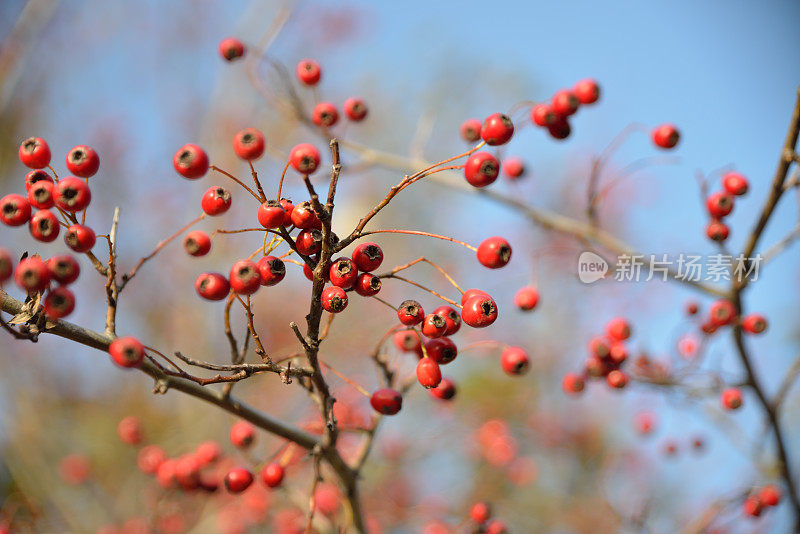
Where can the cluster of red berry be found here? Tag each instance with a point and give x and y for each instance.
(607, 354)
(720, 204)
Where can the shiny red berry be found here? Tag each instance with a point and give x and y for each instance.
(15, 210)
(34, 153)
(249, 144)
(731, 399)
(497, 129)
(324, 114)
(64, 269)
(735, 183)
(238, 479)
(526, 298)
(304, 158)
(191, 161)
(44, 226)
(665, 136)
(587, 91)
(755, 323)
(343, 273)
(481, 169)
(446, 390)
(564, 103)
(231, 49)
(126, 351)
(451, 317)
(242, 434)
(434, 326)
(470, 130)
(288, 207)
(368, 285)
(442, 350)
(36, 176)
(428, 373)
(271, 214)
(83, 161)
(309, 241)
(719, 204)
(32, 275)
(59, 302)
(543, 115)
(303, 216)
(494, 252)
(355, 109)
(197, 243)
(272, 475)
(334, 299)
(308, 71)
(514, 360)
(80, 238)
(40, 195)
(479, 312)
(215, 201)
(386, 401)
(410, 312)
(244, 277)
(469, 293)
(513, 168)
(717, 230)
(367, 257)
(271, 269)
(72, 194)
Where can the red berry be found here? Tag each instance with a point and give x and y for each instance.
(271, 214)
(197, 243)
(15, 210)
(238, 479)
(303, 216)
(34, 153)
(334, 299)
(480, 512)
(496, 527)
(442, 350)
(191, 161)
(368, 285)
(770, 495)
(692, 308)
(526, 298)
(479, 312)
(59, 302)
(248, 144)
(753, 506)
(40, 195)
(617, 379)
(471, 130)
(187, 472)
(665, 136)
(367, 257)
(324, 114)
(83, 161)
(308, 71)
(451, 318)
(271, 269)
(165, 474)
(618, 329)
(735, 183)
(408, 341)
(494, 252)
(543, 115)
(208, 452)
(434, 326)
(309, 241)
(386, 401)
(731, 398)
(149, 458)
(288, 207)
(754, 323)
(572, 383)
(212, 286)
(428, 373)
(719, 204)
(343, 273)
(242, 434)
(126, 351)
(129, 430)
(72, 194)
(514, 361)
(618, 352)
(599, 346)
(564, 103)
(355, 109)
(32, 275)
(80, 238)
(497, 129)
(215, 201)
(35, 176)
(513, 168)
(64, 269)
(469, 293)
(560, 129)
(6, 265)
(481, 169)
(244, 277)
(231, 49)
(44, 226)
(722, 312)
(717, 230)
(304, 158)
(272, 475)
(587, 91)
(446, 390)
(410, 312)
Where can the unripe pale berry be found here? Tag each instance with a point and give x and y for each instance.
(212, 286)
(494, 252)
(386, 401)
(308, 71)
(497, 129)
(215, 201)
(665, 136)
(15, 210)
(334, 299)
(197, 243)
(514, 361)
(126, 351)
(83, 161)
(481, 169)
(34, 153)
(244, 277)
(470, 130)
(428, 373)
(190, 161)
(324, 114)
(231, 49)
(410, 312)
(526, 298)
(355, 109)
(367, 257)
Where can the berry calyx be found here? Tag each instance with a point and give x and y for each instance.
(197, 243)
(212, 286)
(72, 194)
(15, 210)
(470, 130)
(83, 161)
(665, 136)
(272, 475)
(238, 479)
(216, 201)
(481, 169)
(514, 361)
(410, 312)
(355, 109)
(494, 252)
(428, 373)
(334, 299)
(191, 161)
(271, 269)
(308, 71)
(731, 399)
(324, 114)
(367, 257)
(304, 158)
(44, 226)
(126, 351)
(244, 277)
(36, 176)
(479, 311)
(249, 144)
(497, 129)
(231, 49)
(34, 153)
(386, 401)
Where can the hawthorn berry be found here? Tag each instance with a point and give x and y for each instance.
(559, 129)
(731, 398)
(126, 351)
(215, 201)
(72, 194)
(587, 91)
(480, 512)
(15, 210)
(543, 115)
(355, 109)
(231, 49)
(386, 401)
(481, 169)
(494, 252)
(272, 215)
(80, 238)
(526, 298)
(496, 527)
(308, 71)
(410, 312)
(470, 130)
(271, 269)
(572, 383)
(514, 361)
(692, 308)
(367, 257)
(451, 318)
(446, 390)
(343, 273)
(308, 241)
(617, 379)
(288, 207)
(238, 479)
(242, 434)
(249, 144)
(469, 293)
(618, 352)
(513, 168)
(368, 285)
(434, 326)
(272, 475)
(755, 323)
(59, 302)
(212, 286)
(479, 312)
(735, 183)
(40, 195)
(407, 341)
(34, 153)
(722, 312)
(244, 277)
(497, 129)
(149, 458)
(442, 350)
(191, 161)
(165, 474)
(719, 204)
(665, 136)
(304, 158)
(187, 472)
(564, 103)
(303, 216)
(36, 176)
(64, 269)
(717, 230)
(6, 265)
(197, 243)
(770, 495)
(428, 373)
(44, 226)
(32, 274)
(129, 430)
(334, 299)
(618, 329)
(83, 161)
(324, 114)
(208, 453)
(753, 506)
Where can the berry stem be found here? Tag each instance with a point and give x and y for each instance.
(343, 377)
(415, 232)
(235, 179)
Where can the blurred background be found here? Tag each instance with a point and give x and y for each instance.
(136, 80)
